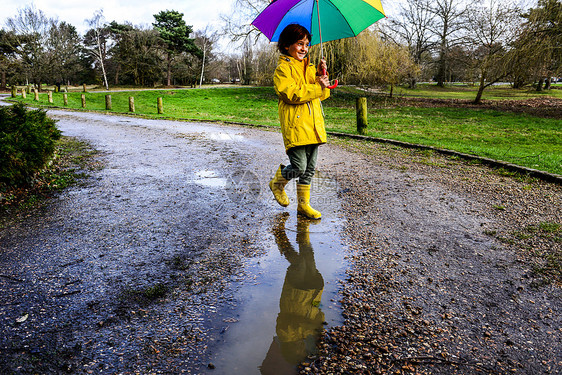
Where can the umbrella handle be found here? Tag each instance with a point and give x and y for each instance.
(335, 82)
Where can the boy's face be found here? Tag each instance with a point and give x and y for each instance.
(299, 49)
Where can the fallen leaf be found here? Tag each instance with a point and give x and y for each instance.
(22, 318)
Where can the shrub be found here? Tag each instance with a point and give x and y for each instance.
(27, 142)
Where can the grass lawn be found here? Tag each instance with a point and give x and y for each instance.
(468, 92)
(521, 139)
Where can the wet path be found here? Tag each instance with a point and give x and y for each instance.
(172, 256)
(299, 287)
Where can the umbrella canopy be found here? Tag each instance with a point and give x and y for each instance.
(337, 19)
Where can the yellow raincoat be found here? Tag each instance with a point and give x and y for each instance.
(300, 111)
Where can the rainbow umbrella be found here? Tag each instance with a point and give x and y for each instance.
(325, 19)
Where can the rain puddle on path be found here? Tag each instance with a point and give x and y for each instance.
(210, 179)
(291, 295)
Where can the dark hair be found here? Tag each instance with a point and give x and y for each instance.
(290, 35)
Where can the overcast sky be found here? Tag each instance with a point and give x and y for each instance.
(197, 13)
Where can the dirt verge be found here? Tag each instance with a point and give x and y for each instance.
(456, 268)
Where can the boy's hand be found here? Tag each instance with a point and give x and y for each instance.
(322, 67)
(323, 81)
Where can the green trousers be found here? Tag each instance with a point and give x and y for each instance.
(303, 163)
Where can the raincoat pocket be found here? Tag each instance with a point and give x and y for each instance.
(295, 114)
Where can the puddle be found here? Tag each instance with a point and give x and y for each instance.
(221, 136)
(209, 178)
(291, 295)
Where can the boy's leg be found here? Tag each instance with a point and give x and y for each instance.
(311, 157)
(303, 187)
(298, 158)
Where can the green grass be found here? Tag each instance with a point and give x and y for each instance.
(468, 92)
(521, 139)
(251, 105)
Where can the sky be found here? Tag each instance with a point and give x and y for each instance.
(197, 13)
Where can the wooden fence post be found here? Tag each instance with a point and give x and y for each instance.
(83, 97)
(361, 108)
(23, 93)
(84, 87)
(14, 91)
(108, 102)
(131, 104)
(36, 93)
(160, 106)
(65, 99)
(50, 96)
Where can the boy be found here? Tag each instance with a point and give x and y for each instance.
(300, 88)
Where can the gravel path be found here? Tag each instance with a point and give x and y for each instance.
(130, 271)
(135, 271)
(450, 268)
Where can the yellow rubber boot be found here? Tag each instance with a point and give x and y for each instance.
(303, 199)
(277, 186)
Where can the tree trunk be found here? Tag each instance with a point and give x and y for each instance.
(413, 83)
(441, 70)
(169, 78)
(481, 88)
(518, 82)
(202, 66)
(539, 85)
(117, 75)
(102, 66)
(3, 80)
(547, 83)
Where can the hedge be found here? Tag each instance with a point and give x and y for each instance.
(27, 143)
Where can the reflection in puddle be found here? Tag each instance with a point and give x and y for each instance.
(210, 178)
(289, 293)
(300, 318)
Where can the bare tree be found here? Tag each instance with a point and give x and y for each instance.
(63, 53)
(266, 57)
(413, 28)
(245, 64)
(205, 42)
(450, 17)
(30, 28)
(97, 25)
(492, 28)
(238, 24)
(539, 46)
